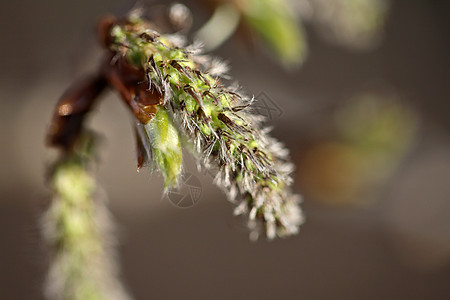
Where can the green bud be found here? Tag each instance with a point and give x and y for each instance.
(166, 147)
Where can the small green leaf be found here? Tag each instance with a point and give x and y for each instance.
(277, 25)
(166, 148)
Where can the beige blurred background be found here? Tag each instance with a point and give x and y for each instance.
(378, 218)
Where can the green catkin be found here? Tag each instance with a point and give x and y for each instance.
(76, 227)
(249, 166)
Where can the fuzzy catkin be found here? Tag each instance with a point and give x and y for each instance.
(251, 167)
(77, 227)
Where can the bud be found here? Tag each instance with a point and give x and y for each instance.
(163, 143)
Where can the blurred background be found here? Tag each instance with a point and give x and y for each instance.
(366, 117)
